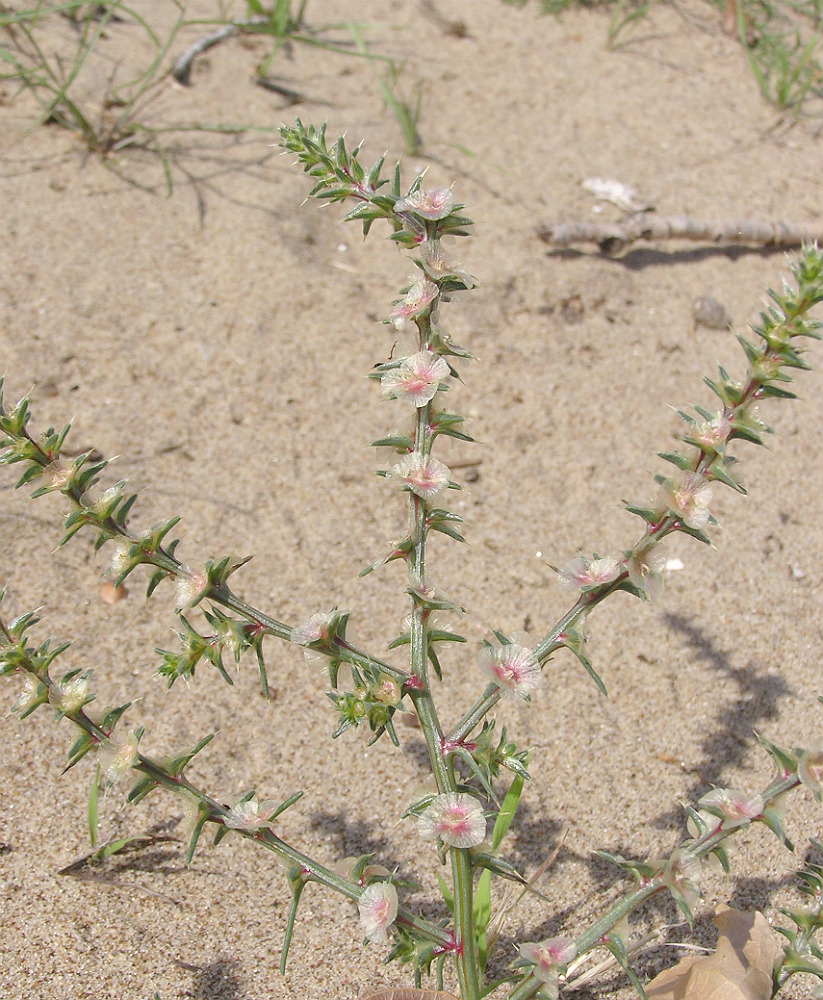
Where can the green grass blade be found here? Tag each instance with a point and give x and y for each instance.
(94, 791)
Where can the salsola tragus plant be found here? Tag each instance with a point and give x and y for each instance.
(478, 772)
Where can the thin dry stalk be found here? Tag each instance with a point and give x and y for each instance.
(614, 237)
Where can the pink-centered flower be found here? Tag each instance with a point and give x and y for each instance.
(549, 957)
(433, 204)
(732, 807)
(456, 818)
(418, 298)
(320, 628)
(514, 668)
(583, 574)
(416, 379)
(378, 910)
(689, 500)
(425, 477)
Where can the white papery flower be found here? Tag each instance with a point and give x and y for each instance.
(378, 910)
(514, 668)
(416, 379)
(689, 500)
(425, 477)
(456, 818)
(433, 204)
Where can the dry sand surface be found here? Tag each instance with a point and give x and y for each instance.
(217, 340)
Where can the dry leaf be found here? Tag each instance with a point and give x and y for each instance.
(606, 189)
(410, 994)
(740, 968)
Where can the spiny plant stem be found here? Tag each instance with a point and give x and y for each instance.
(702, 846)
(218, 813)
(465, 949)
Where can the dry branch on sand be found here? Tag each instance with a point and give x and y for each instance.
(614, 237)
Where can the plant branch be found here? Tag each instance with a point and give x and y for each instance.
(612, 238)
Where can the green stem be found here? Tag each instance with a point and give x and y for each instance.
(464, 945)
(162, 559)
(267, 838)
(623, 907)
(490, 697)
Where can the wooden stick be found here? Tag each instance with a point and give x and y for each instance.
(181, 71)
(613, 237)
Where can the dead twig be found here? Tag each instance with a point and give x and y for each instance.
(181, 71)
(613, 237)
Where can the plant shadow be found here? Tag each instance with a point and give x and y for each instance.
(728, 739)
(216, 981)
(641, 258)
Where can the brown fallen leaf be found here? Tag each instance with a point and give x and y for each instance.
(739, 969)
(410, 994)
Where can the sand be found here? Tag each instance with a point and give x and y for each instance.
(217, 341)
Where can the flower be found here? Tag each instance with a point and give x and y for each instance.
(810, 770)
(116, 758)
(386, 691)
(645, 568)
(120, 557)
(249, 814)
(582, 574)
(733, 807)
(680, 874)
(418, 298)
(34, 693)
(434, 204)
(514, 668)
(58, 475)
(416, 379)
(425, 477)
(378, 910)
(713, 434)
(438, 264)
(549, 957)
(192, 587)
(689, 500)
(70, 694)
(355, 870)
(456, 818)
(318, 628)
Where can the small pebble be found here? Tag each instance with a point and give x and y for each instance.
(708, 312)
(110, 594)
(572, 309)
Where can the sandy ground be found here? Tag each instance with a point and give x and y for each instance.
(217, 341)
